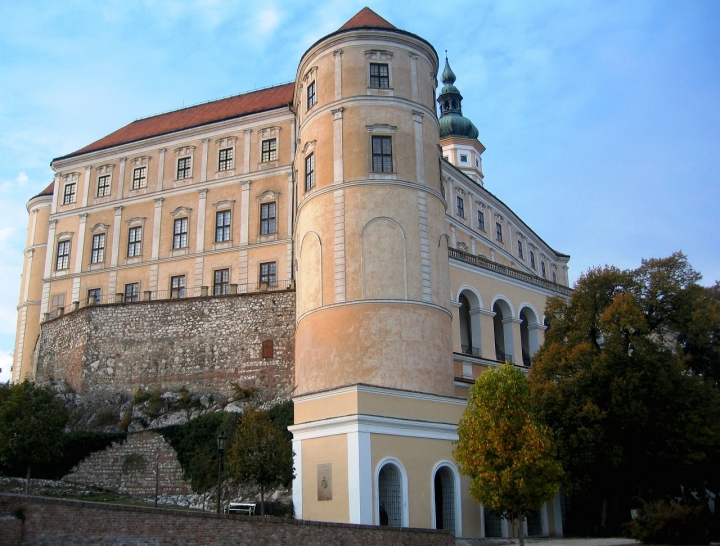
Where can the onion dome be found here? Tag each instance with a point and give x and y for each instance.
(452, 122)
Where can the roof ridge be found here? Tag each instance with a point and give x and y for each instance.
(213, 100)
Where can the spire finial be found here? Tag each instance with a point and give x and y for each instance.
(448, 76)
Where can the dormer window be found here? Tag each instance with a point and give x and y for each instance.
(379, 75)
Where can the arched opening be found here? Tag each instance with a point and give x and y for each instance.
(534, 523)
(444, 483)
(470, 306)
(528, 334)
(466, 340)
(390, 500)
(502, 322)
(493, 524)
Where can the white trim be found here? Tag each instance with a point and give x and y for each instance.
(375, 425)
(532, 308)
(457, 493)
(470, 289)
(381, 390)
(297, 489)
(403, 484)
(500, 297)
(359, 478)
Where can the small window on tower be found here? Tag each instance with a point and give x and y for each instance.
(267, 348)
(463, 158)
(379, 75)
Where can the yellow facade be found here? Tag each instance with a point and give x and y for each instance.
(411, 277)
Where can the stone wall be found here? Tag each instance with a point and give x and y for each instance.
(202, 344)
(55, 521)
(129, 467)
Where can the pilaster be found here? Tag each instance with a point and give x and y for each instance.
(200, 236)
(161, 169)
(156, 228)
(116, 236)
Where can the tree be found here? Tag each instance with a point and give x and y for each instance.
(621, 382)
(260, 454)
(503, 448)
(31, 426)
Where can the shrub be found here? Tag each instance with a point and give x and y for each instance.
(672, 522)
(105, 417)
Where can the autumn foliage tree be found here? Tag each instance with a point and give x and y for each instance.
(627, 381)
(260, 455)
(508, 454)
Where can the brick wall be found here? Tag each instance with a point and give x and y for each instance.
(55, 521)
(129, 467)
(204, 344)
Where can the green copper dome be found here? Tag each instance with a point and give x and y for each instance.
(452, 122)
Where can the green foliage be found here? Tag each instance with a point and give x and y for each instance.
(502, 447)
(667, 521)
(260, 454)
(134, 462)
(195, 443)
(631, 414)
(153, 400)
(242, 393)
(105, 417)
(31, 425)
(283, 416)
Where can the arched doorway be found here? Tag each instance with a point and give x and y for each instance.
(390, 501)
(502, 322)
(444, 487)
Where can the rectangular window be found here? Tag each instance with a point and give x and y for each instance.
(379, 75)
(463, 159)
(94, 296)
(134, 241)
(520, 252)
(222, 226)
(460, 207)
(542, 269)
(481, 220)
(180, 233)
(311, 96)
(309, 172)
(139, 178)
(63, 256)
(498, 231)
(103, 186)
(382, 154)
(269, 150)
(225, 159)
(69, 194)
(554, 277)
(177, 286)
(532, 259)
(267, 218)
(184, 168)
(97, 255)
(267, 273)
(222, 282)
(132, 292)
(56, 302)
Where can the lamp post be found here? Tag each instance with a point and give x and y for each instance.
(221, 448)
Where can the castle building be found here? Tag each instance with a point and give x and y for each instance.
(347, 189)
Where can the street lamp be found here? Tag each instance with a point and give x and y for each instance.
(221, 448)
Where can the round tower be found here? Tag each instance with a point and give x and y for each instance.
(372, 266)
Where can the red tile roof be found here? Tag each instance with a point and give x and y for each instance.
(194, 116)
(47, 191)
(366, 18)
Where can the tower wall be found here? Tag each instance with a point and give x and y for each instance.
(371, 259)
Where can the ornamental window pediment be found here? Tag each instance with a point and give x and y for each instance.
(100, 228)
(105, 169)
(141, 161)
(268, 195)
(185, 211)
(184, 151)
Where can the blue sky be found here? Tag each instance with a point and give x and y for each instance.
(601, 119)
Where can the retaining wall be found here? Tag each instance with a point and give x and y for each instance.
(55, 521)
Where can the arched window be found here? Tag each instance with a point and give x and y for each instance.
(444, 483)
(466, 339)
(502, 322)
(390, 501)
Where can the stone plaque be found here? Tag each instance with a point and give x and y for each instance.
(324, 481)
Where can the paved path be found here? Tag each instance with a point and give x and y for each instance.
(548, 541)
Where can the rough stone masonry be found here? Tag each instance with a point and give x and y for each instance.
(201, 344)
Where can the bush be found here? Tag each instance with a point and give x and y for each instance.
(672, 522)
